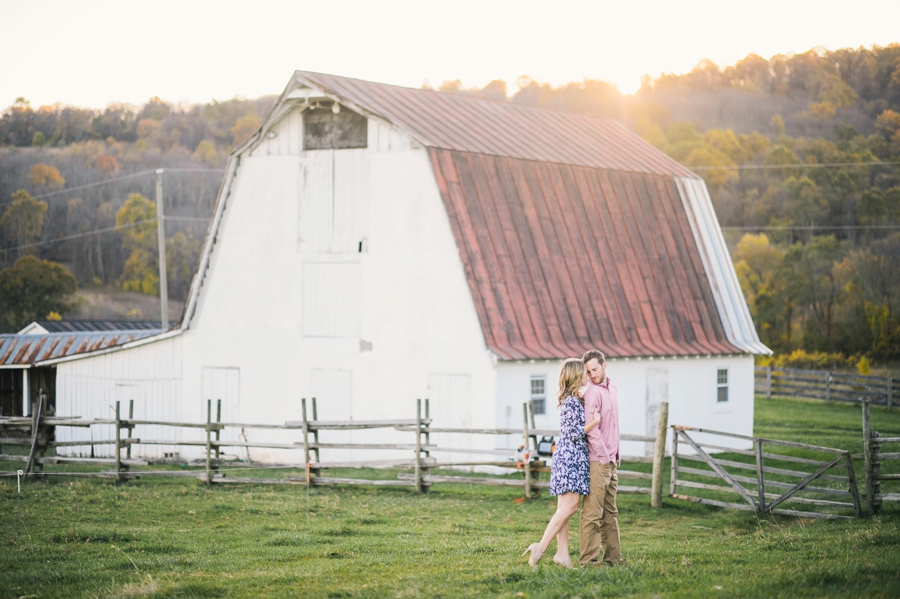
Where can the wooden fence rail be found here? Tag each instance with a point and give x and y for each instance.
(826, 385)
(41, 435)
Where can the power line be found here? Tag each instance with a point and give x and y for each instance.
(99, 231)
(114, 179)
(741, 167)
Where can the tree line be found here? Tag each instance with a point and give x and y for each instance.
(796, 151)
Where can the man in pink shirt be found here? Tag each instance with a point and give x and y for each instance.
(599, 525)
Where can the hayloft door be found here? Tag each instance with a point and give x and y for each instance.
(657, 392)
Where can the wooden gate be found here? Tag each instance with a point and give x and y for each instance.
(776, 481)
(875, 457)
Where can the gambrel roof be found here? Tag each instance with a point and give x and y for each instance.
(470, 124)
(574, 232)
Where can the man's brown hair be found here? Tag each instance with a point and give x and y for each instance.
(592, 354)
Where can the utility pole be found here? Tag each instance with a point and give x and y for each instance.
(161, 234)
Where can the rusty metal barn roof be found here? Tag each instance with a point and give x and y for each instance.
(25, 350)
(62, 326)
(470, 124)
(562, 258)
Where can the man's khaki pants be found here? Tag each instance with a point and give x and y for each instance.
(599, 525)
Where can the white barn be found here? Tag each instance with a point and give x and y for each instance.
(373, 244)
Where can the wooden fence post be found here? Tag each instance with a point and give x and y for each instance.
(35, 431)
(218, 421)
(760, 475)
(533, 426)
(130, 428)
(118, 444)
(305, 432)
(527, 453)
(315, 414)
(208, 441)
(418, 446)
(827, 387)
(869, 458)
(769, 381)
(425, 469)
(890, 392)
(673, 477)
(659, 455)
(854, 487)
(427, 433)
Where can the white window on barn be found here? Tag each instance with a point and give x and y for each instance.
(333, 183)
(331, 299)
(722, 385)
(539, 395)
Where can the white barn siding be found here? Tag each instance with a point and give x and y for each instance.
(692, 394)
(149, 374)
(416, 317)
(287, 139)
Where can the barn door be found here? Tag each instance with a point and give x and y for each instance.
(450, 399)
(657, 392)
(333, 390)
(223, 384)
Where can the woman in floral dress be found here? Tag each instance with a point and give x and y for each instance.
(570, 476)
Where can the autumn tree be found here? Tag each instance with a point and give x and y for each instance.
(182, 251)
(136, 220)
(31, 290)
(244, 128)
(23, 221)
(756, 261)
(46, 176)
(106, 164)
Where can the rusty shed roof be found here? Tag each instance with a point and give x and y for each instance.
(63, 326)
(24, 350)
(471, 124)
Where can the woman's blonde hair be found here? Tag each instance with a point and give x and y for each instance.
(571, 376)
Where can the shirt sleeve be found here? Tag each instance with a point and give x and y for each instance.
(571, 420)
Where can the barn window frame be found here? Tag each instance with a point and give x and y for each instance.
(538, 394)
(722, 385)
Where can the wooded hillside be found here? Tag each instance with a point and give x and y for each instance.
(799, 152)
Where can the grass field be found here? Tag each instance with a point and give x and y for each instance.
(177, 538)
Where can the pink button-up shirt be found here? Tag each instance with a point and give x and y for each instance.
(603, 441)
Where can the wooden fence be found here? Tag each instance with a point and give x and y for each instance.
(791, 475)
(40, 439)
(874, 455)
(826, 385)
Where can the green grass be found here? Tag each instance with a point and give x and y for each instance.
(177, 538)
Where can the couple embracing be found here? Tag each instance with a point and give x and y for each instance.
(585, 464)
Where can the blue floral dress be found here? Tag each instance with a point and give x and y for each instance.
(571, 470)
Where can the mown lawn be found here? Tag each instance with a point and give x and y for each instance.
(178, 538)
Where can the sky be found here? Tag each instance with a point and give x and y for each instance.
(93, 52)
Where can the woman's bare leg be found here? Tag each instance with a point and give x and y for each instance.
(566, 506)
(562, 544)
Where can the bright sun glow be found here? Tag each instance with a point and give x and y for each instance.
(198, 51)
